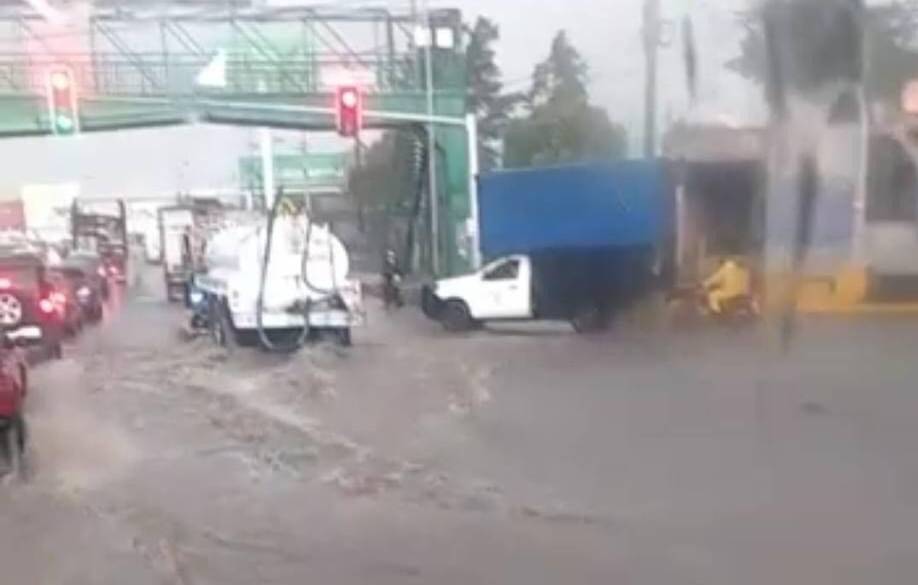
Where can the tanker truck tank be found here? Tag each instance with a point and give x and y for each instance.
(307, 274)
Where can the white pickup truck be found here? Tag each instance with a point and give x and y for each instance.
(585, 287)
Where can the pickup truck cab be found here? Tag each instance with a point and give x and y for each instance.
(500, 290)
(584, 287)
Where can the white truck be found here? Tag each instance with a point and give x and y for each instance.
(152, 246)
(305, 289)
(584, 287)
(175, 225)
(577, 243)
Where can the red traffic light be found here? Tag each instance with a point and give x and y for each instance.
(62, 102)
(348, 111)
(349, 98)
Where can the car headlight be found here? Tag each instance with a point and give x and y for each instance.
(83, 293)
(196, 297)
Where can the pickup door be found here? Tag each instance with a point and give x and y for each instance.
(503, 290)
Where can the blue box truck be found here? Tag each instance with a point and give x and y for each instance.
(575, 243)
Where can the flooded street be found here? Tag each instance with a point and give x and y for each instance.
(518, 455)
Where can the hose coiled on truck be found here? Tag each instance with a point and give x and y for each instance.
(260, 300)
(335, 290)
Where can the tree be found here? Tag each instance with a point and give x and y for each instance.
(562, 77)
(485, 98)
(561, 125)
(822, 47)
(384, 181)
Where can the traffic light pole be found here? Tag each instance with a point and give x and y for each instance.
(266, 148)
(651, 52)
(374, 119)
(378, 118)
(431, 146)
(474, 226)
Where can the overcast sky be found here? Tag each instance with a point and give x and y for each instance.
(607, 32)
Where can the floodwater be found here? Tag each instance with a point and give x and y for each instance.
(524, 454)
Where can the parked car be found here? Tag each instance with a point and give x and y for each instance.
(65, 300)
(85, 290)
(29, 311)
(13, 390)
(94, 268)
(114, 258)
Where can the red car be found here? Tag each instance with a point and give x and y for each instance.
(13, 389)
(29, 304)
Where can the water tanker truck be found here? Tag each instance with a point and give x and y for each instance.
(277, 282)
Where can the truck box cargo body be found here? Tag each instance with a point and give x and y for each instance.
(564, 280)
(573, 207)
(574, 243)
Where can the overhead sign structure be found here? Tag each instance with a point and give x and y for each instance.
(214, 74)
(63, 106)
(334, 76)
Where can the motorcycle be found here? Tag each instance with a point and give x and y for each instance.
(691, 305)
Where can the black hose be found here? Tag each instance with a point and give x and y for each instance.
(260, 301)
(304, 262)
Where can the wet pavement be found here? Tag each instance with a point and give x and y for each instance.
(522, 454)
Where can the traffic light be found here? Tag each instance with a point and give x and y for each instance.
(63, 110)
(348, 111)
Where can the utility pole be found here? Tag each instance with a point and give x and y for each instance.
(431, 144)
(651, 48)
(266, 148)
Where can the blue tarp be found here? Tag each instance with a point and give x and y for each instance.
(605, 205)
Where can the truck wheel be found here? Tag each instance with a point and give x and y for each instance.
(344, 336)
(456, 316)
(590, 318)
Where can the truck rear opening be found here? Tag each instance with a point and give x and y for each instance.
(564, 280)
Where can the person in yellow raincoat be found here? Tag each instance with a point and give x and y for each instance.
(731, 281)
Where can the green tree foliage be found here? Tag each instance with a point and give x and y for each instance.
(561, 125)
(485, 98)
(386, 179)
(822, 48)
